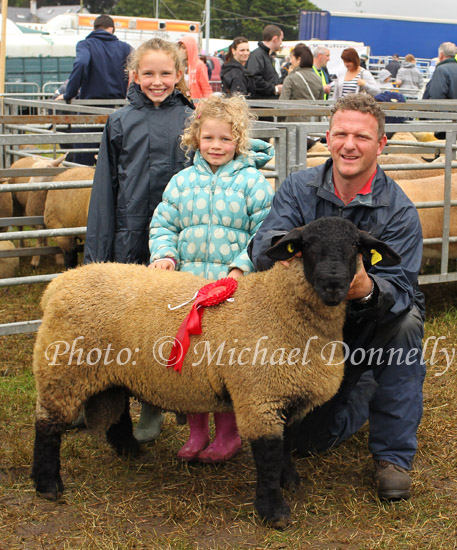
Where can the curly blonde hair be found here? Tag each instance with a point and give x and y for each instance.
(234, 110)
(158, 45)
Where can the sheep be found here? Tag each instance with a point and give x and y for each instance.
(430, 190)
(8, 266)
(6, 207)
(68, 208)
(425, 136)
(260, 355)
(31, 203)
(410, 174)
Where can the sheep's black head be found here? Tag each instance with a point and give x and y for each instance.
(330, 247)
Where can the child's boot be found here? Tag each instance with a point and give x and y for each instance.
(149, 424)
(198, 438)
(227, 441)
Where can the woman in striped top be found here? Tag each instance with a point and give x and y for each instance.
(355, 79)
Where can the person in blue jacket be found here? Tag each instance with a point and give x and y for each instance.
(139, 153)
(203, 225)
(99, 67)
(384, 367)
(98, 72)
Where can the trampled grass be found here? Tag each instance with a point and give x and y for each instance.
(155, 502)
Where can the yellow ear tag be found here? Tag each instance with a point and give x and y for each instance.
(375, 256)
(290, 248)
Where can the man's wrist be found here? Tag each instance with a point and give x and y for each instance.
(367, 299)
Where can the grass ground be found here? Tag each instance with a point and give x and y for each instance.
(155, 502)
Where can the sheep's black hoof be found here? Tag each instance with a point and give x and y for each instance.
(273, 512)
(129, 447)
(290, 480)
(50, 491)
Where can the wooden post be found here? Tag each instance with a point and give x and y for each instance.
(3, 50)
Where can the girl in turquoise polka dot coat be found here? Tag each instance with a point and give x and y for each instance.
(208, 214)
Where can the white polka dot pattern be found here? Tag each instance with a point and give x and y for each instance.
(206, 220)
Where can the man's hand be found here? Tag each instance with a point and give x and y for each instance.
(361, 284)
(59, 96)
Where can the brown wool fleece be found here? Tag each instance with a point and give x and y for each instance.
(126, 306)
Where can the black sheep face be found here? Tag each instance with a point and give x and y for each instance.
(330, 248)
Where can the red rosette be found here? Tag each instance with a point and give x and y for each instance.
(211, 294)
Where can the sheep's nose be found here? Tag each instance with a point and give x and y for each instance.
(331, 284)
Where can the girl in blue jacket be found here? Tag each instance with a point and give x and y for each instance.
(208, 214)
(139, 153)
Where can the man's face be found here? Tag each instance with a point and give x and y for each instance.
(323, 58)
(354, 145)
(277, 42)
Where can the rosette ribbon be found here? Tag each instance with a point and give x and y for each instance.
(211, 294)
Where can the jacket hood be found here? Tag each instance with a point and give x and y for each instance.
(408, 65)
(383, 74)
(192, 49)
(137, 98)
(260, 153)
(102, 35)
(448, 60)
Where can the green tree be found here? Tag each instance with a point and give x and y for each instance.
(229, 18)
(94, 6)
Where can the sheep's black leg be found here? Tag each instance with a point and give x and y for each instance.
(120, 435)
(71, 258)
(46, 460)
(289, 475)
(269, 502)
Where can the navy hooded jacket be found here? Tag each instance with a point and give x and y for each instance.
(139, 153)
(386, 213)
(99, 68)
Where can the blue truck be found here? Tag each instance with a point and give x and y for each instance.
(384, 34)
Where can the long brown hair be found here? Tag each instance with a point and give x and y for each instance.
(350, 55)
(233, 46)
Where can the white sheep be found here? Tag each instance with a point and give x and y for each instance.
(8, 266)
(103, 337)
(431, 190)
(6, 207)
(31, 203)
(69, 208)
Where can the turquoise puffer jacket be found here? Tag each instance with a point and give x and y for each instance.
(205, 220)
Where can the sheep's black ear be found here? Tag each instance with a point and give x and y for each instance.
(376, 252)
(287, 246)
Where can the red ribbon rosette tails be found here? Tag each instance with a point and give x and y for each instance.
(211, 294)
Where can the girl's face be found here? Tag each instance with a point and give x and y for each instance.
(241, 52)
(216, 143)
(157, 76)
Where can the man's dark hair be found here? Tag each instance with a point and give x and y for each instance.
(269, 32)
(103, 22)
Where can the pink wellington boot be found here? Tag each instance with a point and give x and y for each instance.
(198, 437)
(227, 441)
